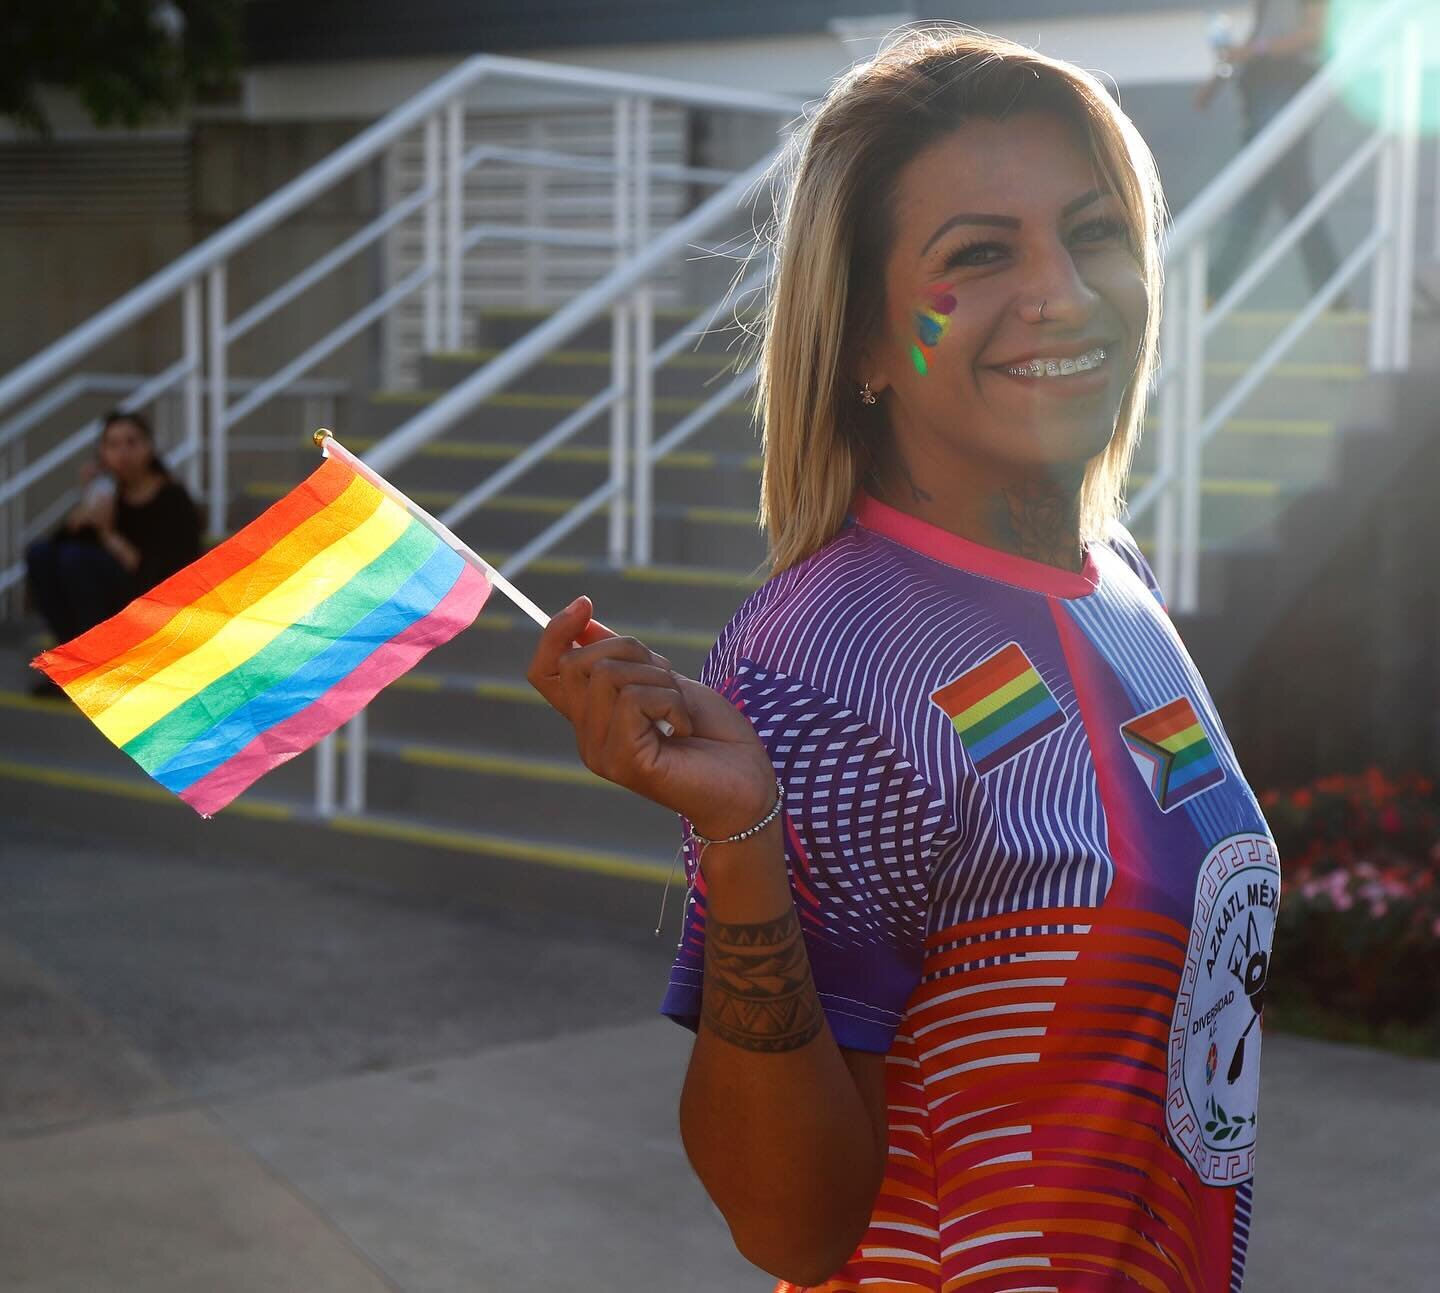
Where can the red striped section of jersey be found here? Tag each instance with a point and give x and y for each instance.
(1026, 1093)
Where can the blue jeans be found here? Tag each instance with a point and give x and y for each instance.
(75, 585)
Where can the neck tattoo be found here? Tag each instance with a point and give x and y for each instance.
(1040, 522)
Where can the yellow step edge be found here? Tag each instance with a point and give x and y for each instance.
(555, 402)
(503, 621)
(419, 680)
(580, 358)
(150, 792)
(1335, 371)
(432, 756)
(1262, 426)
(576, 859)
(1231, 487)
(504, 450)
(687, 575)
(568, 859)
(38, 704)
(536, 312)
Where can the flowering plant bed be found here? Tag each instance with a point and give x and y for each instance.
(1357, 940)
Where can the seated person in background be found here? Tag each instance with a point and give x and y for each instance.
(134, 526)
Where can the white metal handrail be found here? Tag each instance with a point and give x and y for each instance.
(345, 161)
(1391, 42)
(198, 279)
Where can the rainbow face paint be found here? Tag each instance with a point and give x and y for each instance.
(932, 322)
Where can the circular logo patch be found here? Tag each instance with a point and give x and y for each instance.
(1214, 1080)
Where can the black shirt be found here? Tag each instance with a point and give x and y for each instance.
(165, 529)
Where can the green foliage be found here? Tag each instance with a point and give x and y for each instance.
(128, 61)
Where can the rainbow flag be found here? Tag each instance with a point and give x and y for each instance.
(1172, 752)
(999, 707)
(272, 639)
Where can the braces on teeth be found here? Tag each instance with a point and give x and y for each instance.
(1060, 367)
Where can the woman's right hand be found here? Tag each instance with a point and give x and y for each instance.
(713, 770)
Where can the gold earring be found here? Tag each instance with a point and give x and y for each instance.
(867, 396)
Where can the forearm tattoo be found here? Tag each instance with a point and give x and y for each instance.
(758, 991)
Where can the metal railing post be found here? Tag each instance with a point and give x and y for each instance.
(454, 218)
(217, 375)
(431, 250)
(193, 435)
(355, 751)
(1382, 277)
(620, 373)
(1435, 199)
(12, 537)
(1407, 181)
(325, 776)
(1191, 418)
(1172, 341)
(643, 500)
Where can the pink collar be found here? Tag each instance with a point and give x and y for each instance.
(921, 536)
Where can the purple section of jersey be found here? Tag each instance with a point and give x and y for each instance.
(836, 661)
(859, 831)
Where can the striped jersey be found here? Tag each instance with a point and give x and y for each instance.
(1029, 872)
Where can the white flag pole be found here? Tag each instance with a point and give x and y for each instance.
(332, 448)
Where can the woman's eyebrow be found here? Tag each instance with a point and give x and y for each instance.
(1004, 221)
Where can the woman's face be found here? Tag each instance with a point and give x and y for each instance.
(124, 450)
(988, 222)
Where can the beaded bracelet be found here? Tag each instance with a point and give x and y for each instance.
(753, 830)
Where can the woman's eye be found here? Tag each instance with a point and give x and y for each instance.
(962, 255)
(1103, 227)
(1107, 225)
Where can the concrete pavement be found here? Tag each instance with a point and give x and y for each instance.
(220, 1076)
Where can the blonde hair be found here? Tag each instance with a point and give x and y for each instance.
(830, 234)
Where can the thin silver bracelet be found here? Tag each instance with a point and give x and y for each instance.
(753, 830)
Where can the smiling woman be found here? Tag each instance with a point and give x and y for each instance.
(958, 209)
(980, 902)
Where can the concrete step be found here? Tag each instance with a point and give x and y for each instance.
(56, 733)
(501, 326)
(1292, 392)
(401, 853)
(490, 657)
(1292, 450)
(466, 800)
(584, 372)
(524, 416)
(495, 788)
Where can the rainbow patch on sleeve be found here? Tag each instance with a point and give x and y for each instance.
(999, 707)
(1173, 753)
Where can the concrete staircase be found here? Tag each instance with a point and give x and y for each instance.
(469, 770)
